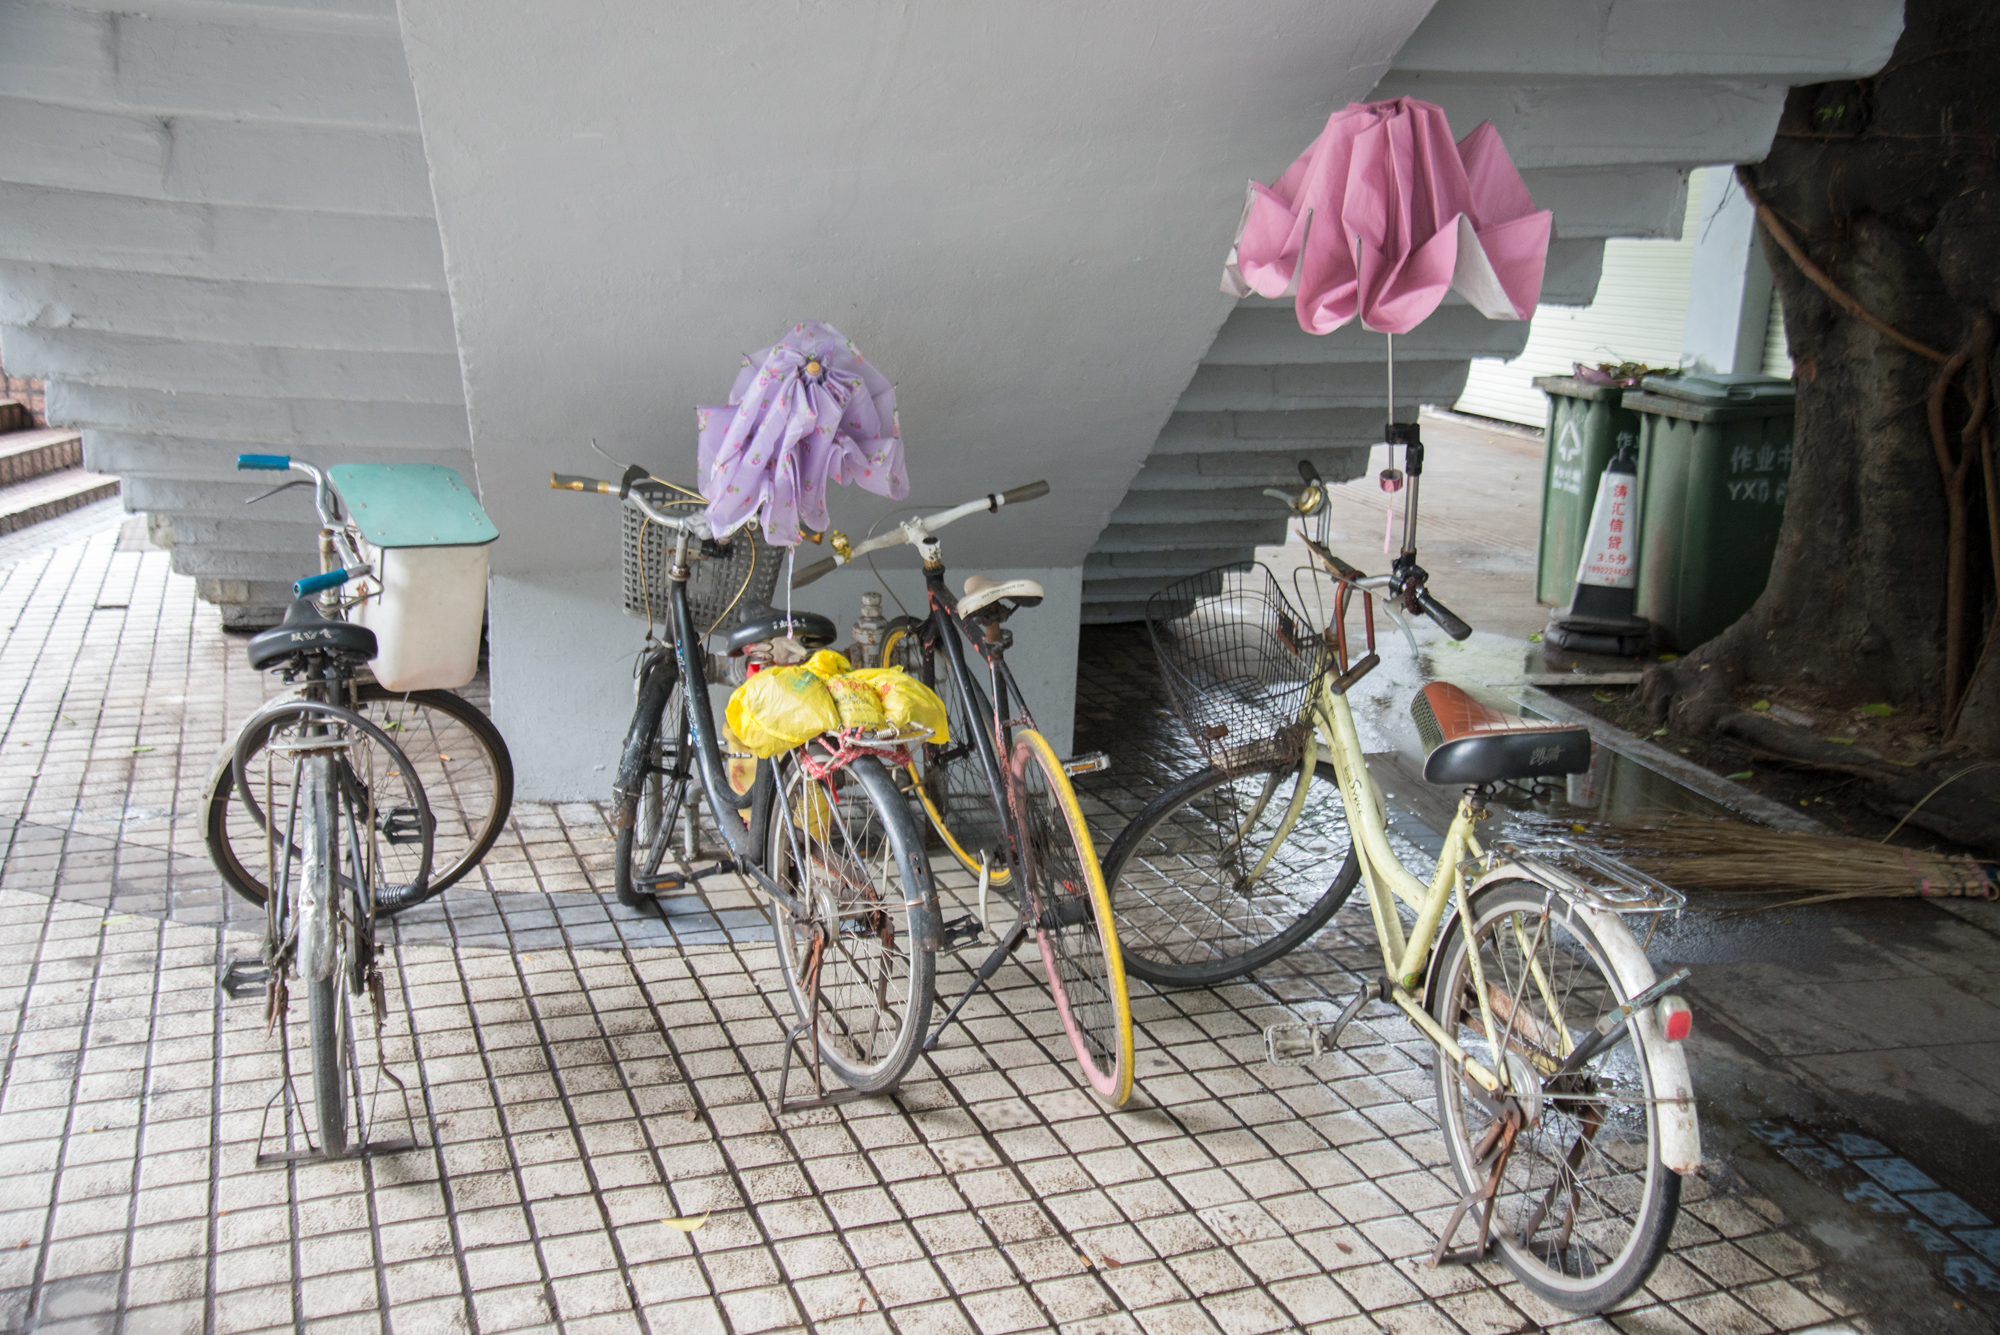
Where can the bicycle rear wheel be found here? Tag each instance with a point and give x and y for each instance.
(318, 905)
(860, 956)
(1584, 1207)
(1203, 889)
(950, 781)
(456, 756)
(653, 776)
(1071, 919)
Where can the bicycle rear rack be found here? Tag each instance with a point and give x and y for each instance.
(1591, 877)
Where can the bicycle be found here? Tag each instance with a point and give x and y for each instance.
(347, 834)
(460, 759)
(1001, 800)
(1563, 1095)
(828, 838)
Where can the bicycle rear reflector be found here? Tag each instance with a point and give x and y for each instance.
(1676, 1020)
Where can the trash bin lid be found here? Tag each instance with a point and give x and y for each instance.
(412, 505)
(1719, 388)
(1572, 388)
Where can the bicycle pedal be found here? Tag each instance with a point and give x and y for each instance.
(661, 885)
(240, 978)
(401, 825)
(1094, 763)
(1294, 1043)
(960, 932)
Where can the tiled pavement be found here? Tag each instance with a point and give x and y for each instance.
(579, 1074)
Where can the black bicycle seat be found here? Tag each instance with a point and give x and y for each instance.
(758, 624)
(305, 631)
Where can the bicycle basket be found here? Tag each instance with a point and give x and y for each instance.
(749, 566)
(1240, 663)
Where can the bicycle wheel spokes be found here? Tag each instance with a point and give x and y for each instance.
(850, 958)
(1583, 1206)
(463, 765)
(1217, 876)
(1071, 917)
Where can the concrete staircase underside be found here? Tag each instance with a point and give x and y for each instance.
(217, 236)
(1605, 109)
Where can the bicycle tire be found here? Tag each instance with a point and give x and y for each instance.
(1072, 919)
(652, 782)
(835, 855)
(325, 1008)
(1592, 1264)
(949, 781)
(461, 759)
(1175, 879)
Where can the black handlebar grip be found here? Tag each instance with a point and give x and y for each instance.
(1033, 491)
(818, 569)
(572, 482)
(1308, 474)
(1447, 621)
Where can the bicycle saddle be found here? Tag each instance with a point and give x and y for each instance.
(983, 592)
(759, 623)
(1468, 743)
(305, 631)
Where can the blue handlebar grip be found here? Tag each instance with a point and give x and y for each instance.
(332, 579)
(274, 462)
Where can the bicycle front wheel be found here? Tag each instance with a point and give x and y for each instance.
(859, 957)
(453, 753)
(1071, 919)
(653, 775)
(1584, 1207)
(1216, 876)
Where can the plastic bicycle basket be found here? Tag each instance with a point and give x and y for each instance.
(743, 574)
(424, 532)
(1240, 664)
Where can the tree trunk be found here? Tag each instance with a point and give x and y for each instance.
(1891, 187)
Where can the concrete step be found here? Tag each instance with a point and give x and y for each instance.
(51, 494)
(26, 454)
(14, 416)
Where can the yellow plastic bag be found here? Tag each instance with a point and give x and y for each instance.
(906, 701)
(826, 663)
(781, 708)
(859, 703)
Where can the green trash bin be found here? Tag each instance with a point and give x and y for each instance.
(1715, 461)
(1586, 425)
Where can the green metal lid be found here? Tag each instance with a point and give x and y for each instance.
(1571, 387)
(1722, 388)
(412, 505)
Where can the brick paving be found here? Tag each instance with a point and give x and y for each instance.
(578, 1073)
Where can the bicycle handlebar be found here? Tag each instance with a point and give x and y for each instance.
(1406, 579)
(914, 531)
(353, 567)
(695, 524)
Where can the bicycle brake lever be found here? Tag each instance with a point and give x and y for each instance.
(282, 486)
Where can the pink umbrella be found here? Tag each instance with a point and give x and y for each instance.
(805, 412)
(1383, 215)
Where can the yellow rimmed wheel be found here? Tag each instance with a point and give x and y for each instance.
(1070, 914)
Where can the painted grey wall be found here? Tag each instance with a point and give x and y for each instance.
(1019, 212)
(1729, 286)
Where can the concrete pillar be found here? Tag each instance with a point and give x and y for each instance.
(1729, 288)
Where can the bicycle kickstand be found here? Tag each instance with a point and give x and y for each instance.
(808, 1029)
(991, 965)
(1494, 1148)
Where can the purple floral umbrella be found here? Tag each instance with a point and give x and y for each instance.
(805, 412)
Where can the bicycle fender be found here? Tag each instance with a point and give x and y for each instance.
(1673, 1087)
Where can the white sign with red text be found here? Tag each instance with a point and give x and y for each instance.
(1610, 557)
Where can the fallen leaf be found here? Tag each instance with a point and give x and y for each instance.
(67, 719)
(1659, 732)
(1668, 658)
(1878, 711)
(1761, 706)
(687, 1225)
(1343, 1246)
(1112, 1263)
(1744, 774)
(1576, 829)
(1603, 697)
(690, 1116)
(141, 750)
(1840, 741)
(1535, 638)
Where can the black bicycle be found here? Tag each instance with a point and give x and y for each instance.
(827, 837)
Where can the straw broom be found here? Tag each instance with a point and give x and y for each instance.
(1695, 853)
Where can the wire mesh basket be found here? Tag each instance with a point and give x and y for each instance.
(744, 574)
(1240, 663)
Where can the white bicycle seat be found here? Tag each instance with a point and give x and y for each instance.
(983, 592)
